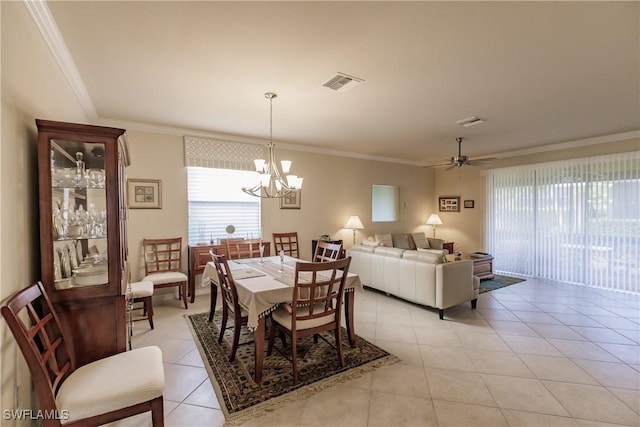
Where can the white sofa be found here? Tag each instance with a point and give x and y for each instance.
(423, 277)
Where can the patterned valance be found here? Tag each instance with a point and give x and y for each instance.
(214, 153)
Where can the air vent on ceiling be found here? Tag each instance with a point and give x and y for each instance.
(470, 121)
(342, 82)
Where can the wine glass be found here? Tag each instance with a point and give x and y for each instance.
(281, 261)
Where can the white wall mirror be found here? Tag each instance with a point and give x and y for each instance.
(385, 203)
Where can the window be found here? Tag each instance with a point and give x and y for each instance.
(216, 201)
(573, 221)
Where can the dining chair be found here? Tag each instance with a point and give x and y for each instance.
(286, 242)
(163, 265)
(97, 393)
(230, 303)
(326, 251)
(315, 307)
(142, 292)
(237, 249)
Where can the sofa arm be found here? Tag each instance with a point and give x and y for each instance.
(454, 283)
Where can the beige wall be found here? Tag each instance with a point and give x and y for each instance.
(32, 87)
(334, 188)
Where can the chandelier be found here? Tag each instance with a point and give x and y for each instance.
(271, 184)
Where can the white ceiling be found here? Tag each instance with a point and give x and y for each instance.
(540, 73)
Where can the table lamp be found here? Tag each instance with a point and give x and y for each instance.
(434, 220)
(354, 223)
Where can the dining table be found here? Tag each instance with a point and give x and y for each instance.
(263, 284)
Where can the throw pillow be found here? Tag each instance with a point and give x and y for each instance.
(370, 243)
(435, 243)
(420, 240)
(402, 241)
(384, 239)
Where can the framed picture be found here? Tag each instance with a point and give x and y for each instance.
(291, 200)
(449, 204)
(144, 193)
(469, 204)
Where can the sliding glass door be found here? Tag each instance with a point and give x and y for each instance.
(573, 221)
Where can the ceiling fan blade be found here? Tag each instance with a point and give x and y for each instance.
(440, 165)
(484, 159)
(451, 167)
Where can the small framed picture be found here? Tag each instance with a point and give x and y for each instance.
(469, 204)
(144, 193)
(291, 200)
(449, 204)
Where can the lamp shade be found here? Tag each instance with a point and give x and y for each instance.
(434, 219)
(354, 223)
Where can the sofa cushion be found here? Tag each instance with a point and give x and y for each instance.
(391, 252)
(363, 248)
(430, 256)
(384, 239)
(420, 240)
(403, 241)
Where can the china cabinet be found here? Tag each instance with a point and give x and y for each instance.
(81, 171)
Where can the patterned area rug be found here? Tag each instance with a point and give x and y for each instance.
(498, 282)
(242, 399)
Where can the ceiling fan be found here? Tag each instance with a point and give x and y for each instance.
(460, 160)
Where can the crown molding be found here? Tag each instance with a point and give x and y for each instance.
(41, 15)
(623, 136)
(175, 131)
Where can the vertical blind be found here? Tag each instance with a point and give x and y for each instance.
(216, 172)
(573, 221)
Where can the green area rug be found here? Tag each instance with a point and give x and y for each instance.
(498, 282)
(241, 399)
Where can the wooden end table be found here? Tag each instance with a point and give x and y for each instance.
(482, 267)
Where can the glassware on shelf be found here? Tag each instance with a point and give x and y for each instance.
(80, 178)
(96, 178)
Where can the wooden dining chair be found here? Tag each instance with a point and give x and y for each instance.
(142, 292)
(326, 251)
(237, 249)
(316, 306)
(230, 302)
(97, 393)
(286, 242)
(163, 265)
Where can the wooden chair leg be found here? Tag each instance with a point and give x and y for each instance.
(223, 326)
(237, 325)
(294, 358)
(272, 336)
(339, 345)
(184, 294)
(148, 305)
(157, 412)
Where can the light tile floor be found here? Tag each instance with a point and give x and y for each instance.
(533, 354)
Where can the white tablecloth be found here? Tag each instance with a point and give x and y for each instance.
(262, 287)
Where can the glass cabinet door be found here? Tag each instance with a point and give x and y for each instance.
(79, 214)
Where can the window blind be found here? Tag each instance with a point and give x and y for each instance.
(213, 153)
(573, 221)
